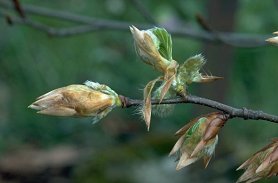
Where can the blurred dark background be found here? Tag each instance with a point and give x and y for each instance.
(37, 148)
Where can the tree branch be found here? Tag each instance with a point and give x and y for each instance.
(231, 111)
(51, 31)
(232, 39)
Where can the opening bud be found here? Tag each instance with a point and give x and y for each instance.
(263, 163)
(154, 47)
(198, 139)
(88, 100)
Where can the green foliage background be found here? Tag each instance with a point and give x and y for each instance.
(121, 150)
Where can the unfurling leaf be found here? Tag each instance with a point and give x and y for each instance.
(149, 48)
(198, 139)
(262, 164)
(91, 99)
(165, 42)
(154, 47)
(189, 71)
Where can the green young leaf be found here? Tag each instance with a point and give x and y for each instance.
(189, 70)
(196, 126)
(165, 42)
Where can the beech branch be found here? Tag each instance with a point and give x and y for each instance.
(88, 24)
(231, 112)
(51, 31)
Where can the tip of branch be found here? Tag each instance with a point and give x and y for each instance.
(9, 20)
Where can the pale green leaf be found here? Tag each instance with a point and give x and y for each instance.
(165, 42)
(189, 71)
(196, 126)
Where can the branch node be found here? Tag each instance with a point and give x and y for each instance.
(227, 116)
(124, 101)
(246, 114)
(258, 114)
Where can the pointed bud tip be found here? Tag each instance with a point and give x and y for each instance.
(137, 34)
(173, 151)
(217, 77)
(207, 79)
(131, 28)
(198, 148)
(240, 167)
(269, 40)
(207, 160)
(273, 40)
(260, 168)
(34, 106)
(186, 162)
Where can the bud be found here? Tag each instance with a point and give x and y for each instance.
(198, 139)
(91, 99)
(262, 164)
(273, 40)
(154, 46)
